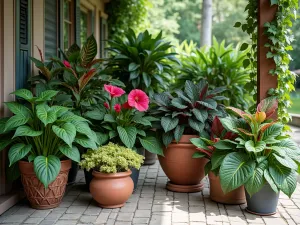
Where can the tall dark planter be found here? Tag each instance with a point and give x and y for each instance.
(263, 203)
(150, 158)
(88, 175)
(135, 177)
(73, 173)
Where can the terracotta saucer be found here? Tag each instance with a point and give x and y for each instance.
(185, 188)
(260, 214)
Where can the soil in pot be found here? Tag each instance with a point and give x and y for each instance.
(263, 203)
(73, 173)
(111, 190)
(184, 172)
(234, 197)
(38, 196)
(150, 158)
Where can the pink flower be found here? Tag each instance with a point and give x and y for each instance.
(139, 100)
(114, 91)
(117, 108)
(67, 64)
(126, 106)
(106, 105)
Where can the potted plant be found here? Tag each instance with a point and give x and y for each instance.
(111, 185)
(206, 147)
(123, 121)
(182, 118)
(43, 139)
(265, 160)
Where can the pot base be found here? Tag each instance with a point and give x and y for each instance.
(111, 206)
(260, 214)
(185, 188)
(41, 207)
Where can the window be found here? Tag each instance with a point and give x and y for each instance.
(85, 24)
(68, 24)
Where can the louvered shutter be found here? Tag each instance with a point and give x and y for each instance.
(77, 21)
(23, 42)
(103, 37)
(51, 28)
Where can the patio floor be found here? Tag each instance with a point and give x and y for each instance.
(152, 204)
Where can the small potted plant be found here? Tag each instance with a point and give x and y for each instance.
(206, 147)
(182, 118)
(43, 139)
(111, 186)
(123, 121)
(265, 160)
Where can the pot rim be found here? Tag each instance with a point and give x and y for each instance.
(185, 139)
(29, 169)
(111, 175)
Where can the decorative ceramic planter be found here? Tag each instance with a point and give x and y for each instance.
(263, 203)
(234, 197)
(150, 158)
(38, 196)
(185, 173)
(111, 190)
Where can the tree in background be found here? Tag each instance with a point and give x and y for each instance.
(206, 23)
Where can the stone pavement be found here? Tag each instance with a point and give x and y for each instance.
(152, 204)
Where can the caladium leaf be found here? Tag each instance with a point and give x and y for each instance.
(24, 93)
(88, 51)
(268, 105)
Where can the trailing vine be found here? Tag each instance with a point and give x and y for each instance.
(280, 38)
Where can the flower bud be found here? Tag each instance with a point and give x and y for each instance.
(260, 116)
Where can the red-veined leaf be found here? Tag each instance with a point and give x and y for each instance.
(82, 82)
(245, 132)
(237, 111)
(217, 127)
(268, 105)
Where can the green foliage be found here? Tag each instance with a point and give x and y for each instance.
(220, 65)
(111, 158)
(140, 61)
(190, 112)
(43, 133)
(260, 154)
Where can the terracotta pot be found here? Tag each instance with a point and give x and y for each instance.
(184, 172)
(234, 197)
(111, 190)
(38, 196)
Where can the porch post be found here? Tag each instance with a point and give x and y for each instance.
(265, 81)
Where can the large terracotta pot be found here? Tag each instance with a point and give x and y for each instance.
(39, 196)
(236, 196)
(185, 173)
(111, 190)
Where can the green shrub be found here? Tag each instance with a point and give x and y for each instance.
(111, 158)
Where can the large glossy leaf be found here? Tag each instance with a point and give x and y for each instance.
(46, 168)
(18, 151)
(95, 114)
(230, 124)
(169, 123)
(191, 91)
(279, 173)
(127, 135)
(286, 161)
(178, 132)
(102, 138)
(235, 171)
(272, 132)
(199, 115)
(289, 184)
(85, 141)
(217, 159)
(196, 125)
(268, 105)
(71, 153)
(257, 180)
(24, 93)
(26, 131)
(66, 132)
(88, 51)
(152, 145)
(45, 115)
(18, 109)
(252, 147)
(270, 181)
(141, 120)
(84, 80)
(15, 121)
(167, 138)
(46, 96)
(225, 145)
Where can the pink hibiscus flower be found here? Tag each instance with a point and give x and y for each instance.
(67, 64)
(117, 108)
(106, 105)
(114, 91)
(138, 99)
(126, 106)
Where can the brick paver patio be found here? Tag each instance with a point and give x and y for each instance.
(152, 204)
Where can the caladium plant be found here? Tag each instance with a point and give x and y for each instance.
(43, 133)
(206, 145)
(261, 154)
(190, 112)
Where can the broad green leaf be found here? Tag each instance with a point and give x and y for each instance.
(18, 109)
(84, 128)
(256, 180)
(272, 132)
(24, 93)
(146, 79)
(46, 168)
(85, 141)
(141, 120)
(290, 183)
(16, 121)
(191, 91)
(127, 135)
(167, 138)
(178, 132)
(235, 170)
(102, 138)
(26, 131)
(69, 117)
(197, 155)
(133, 66)
(59, 110)
(46, 96)
(199, 143)
(229, 124)
(270, 181)
(168, 123)
(18, 151)
(178, 103)
(244, 46)
(279, 173)
(217, 159)
(96, 114)
(196, 125)
(286, 161)
(152, 145)
(45, 115)
(109, 118)
(88, 51)
(252, 147)
(112, 134)
(66, 132)
(209, 103)
(141, 132)
(225, 145)
(199, 116)
(71, 153)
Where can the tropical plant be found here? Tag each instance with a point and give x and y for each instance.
(205, 145)
(220, 65)
(43, 134)
(111, 158)
(79, 77)
(141, 61)
(190, 112)
(124, 121)
(263, 154)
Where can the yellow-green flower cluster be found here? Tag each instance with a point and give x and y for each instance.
(111, 158)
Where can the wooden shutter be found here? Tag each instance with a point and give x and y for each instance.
(103, 37)
(51, 28)
(23, 42)
(77, 21)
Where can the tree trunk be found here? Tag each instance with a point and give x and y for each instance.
(206, 23)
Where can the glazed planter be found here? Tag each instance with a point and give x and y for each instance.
(73, 173)
(150, 158)
(111, 190)
(38, 196)
(263, 203)
(135, 177)
(234, 197)
(184, 172)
